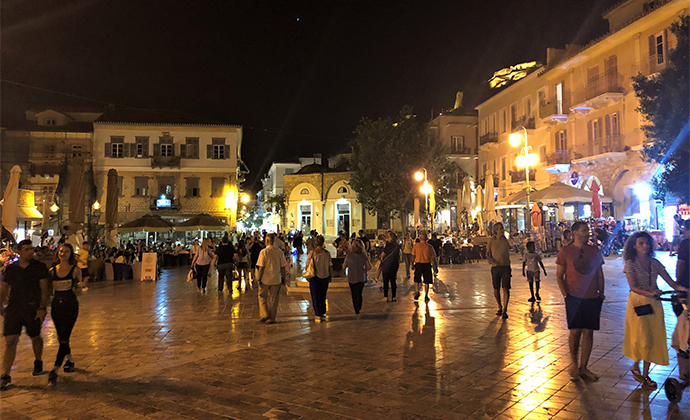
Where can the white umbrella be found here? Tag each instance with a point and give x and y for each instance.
(489, 204)
(480, 197)
(467, 194)
(561, 212)
(10, 200)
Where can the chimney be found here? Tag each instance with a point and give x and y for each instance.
(458, 100)
(553, 55)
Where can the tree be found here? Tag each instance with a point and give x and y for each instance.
(665, 103)
(278, 204)
(386, 153)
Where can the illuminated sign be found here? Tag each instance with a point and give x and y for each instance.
(163, 202)
(511, 74)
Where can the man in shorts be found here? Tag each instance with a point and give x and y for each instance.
(26, 284)
(423, 256)
(83, 264)
(581, 280)
(498, 254)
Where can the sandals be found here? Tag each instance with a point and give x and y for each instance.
(636, 374)
(648, 382)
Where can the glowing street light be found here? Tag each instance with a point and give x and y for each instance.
(526, 159)
(54, 208)
(245, 198)
(428, 190)
(419, 175)
(96, 205)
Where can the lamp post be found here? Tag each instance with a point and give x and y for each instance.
(525, 159)
(428, 190)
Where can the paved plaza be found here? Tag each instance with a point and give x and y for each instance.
(161, 350)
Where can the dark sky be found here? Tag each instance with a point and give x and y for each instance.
(305, 71)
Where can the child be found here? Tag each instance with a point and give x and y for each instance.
(532, 261)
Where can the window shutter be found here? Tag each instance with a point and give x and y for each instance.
(108, 150)
(209, 151)
(601, 124)
(156, 150)
(590, 131)
(146, 148)
(666, 46)
(607, 126)
(652, 54)
(183, 151)
(226, 152)
(126, 150)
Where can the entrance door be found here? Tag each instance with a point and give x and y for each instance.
(343, 213)
(305, 218)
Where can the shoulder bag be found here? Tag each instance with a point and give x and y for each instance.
(309, 269)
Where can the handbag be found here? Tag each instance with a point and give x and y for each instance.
(190, 276)
(309, 269)
(643, 310)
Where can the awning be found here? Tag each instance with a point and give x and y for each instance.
(28, 213)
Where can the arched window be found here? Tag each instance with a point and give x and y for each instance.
(342, 190)
(305, 191)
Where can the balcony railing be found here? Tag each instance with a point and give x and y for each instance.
(552, 109)
(488, 138)
(45, 169)
(165, 162)
(174, 204)
(558, 157)
(519, 175)
(461, 151)
(528, 123)
(597, 92)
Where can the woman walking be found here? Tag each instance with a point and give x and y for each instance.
(242, 265)
(318, 285)
(645, 330)
(357, 264)
(202, 263)
(65, 280)
(390, 262)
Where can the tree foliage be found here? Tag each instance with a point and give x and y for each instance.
(278, 203)
(386, 154)
(665, 103)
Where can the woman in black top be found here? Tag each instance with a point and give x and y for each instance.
(65, 281)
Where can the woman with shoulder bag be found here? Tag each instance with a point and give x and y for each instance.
(357, 264)
(202, 263)
(318, 284)
(390, 262)
(645, 330)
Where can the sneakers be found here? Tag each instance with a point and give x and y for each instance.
(38, 367)
(323, 318)
(69, 367)
(5, 382)
(52, 377)
(505, 315)
(538, 297)
(416, 296)
(532, 299)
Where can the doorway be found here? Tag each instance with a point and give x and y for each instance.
(343, 217)
(305, 218)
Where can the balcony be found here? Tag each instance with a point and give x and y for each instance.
(528, 123)
(553, 112)
(163, 204)
(45, 169)
(462, 151)
(488, 138)
(611, 147)
(165, 162)
(558, 157)
(519, 175)
(598, 93)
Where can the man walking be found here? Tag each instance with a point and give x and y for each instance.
(581, 280)
(498, 254)
(273, 271)
(26, 284)
(436, 244)
(423, 256)
(225, 263)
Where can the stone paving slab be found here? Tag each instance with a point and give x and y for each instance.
(163, 351)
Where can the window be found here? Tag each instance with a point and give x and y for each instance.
(165, 146)
(76, 150)
(342, 190)
(559, 98)
(305, 191)
(167, 150)
(541, 97)
(596, 130)
(49, 151)
(492, 123)
(527, 104)
(217, 187)
(191, 148)
(141, 148)
(659, 45)
(217, 149)
(51, 122)
(503, 168)
(166, 186)
(141, 186)
(193, 187)
(513, 116)
(117, 147)
(484, 127)
(502, 121)
(561, 141)
(542, 154)
(457, 145)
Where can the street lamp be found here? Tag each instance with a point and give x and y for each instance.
(54, 208)
(96, 205)
(525, 159)
(428, 190)
(244, 198)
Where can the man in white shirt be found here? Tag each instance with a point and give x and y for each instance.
(272, 270)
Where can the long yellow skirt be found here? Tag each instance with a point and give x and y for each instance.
(645, 336)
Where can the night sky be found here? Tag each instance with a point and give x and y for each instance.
(298, 75)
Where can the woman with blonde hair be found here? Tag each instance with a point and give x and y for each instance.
(645, 330)
(357, 264)
(318, 285)
(202, 263)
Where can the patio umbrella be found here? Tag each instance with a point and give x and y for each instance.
(147, 223)
(536, 215)
(77, 191)
(515, 199)
(467, 194)
(480, 197)
(489, 203)
(596, 201)
(568, 194)
(459, 208)
(561, 212)
(111, 203)
(200, 222)
(10, 200)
